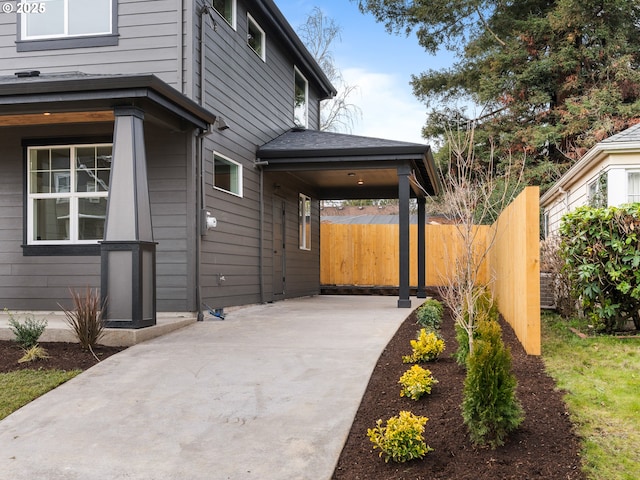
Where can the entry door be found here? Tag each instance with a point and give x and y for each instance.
(278, 247)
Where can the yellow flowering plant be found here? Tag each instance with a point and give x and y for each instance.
(416, 382)
(427, 347)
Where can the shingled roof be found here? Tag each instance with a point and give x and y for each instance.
(631, 134)
(299, 142)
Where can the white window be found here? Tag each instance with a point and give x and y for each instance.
(304, 222)
(227, 175)
(226, 8)
(256, 38)
(597, 191)
(633, 187)
(67, 186)
(300, 99)
(66, 18)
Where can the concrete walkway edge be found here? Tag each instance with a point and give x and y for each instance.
(268, 393)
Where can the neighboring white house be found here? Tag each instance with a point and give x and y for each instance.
(608, 175)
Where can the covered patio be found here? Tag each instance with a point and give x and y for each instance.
(343, 167)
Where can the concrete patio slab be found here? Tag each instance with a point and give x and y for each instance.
(268, 393)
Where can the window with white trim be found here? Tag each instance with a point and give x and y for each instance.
(300, 99)
(256, 38)
(227, 9)
(66, 18)
(227, 175)
(304, 221)
(597, 192)
(633, 187)
(67, 187)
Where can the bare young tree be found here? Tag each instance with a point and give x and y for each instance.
(318, 34)
(473, 194)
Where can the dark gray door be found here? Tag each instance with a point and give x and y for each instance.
(278, 247)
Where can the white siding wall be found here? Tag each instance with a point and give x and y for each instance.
(615, 166)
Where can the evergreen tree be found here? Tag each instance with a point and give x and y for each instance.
(554, 77)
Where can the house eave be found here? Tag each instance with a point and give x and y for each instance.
(61, 93)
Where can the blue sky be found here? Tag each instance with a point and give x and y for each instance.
(379, 63)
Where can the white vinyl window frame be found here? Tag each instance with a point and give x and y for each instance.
(227, 10)
(256, 38)
(63, 189)
(304, 222)
(227, 175)
(633, 186)
(65, 23)
(300, 99)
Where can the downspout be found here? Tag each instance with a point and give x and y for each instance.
(200, 184)
(205, 10)
(180, 45)
(259, 164)
(199, 228)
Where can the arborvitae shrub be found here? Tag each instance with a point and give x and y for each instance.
(489, 406)
(486, 309)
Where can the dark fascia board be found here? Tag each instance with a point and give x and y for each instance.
(400, 152)
(273, 14)
(108, 89)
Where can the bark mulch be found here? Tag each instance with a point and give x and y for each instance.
(62, 356)
(544, 447)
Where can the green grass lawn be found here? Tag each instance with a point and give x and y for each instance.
(21, 387)
(601, 377)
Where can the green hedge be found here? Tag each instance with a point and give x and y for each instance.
(602, 260)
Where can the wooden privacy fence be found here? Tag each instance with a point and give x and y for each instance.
(368, 255)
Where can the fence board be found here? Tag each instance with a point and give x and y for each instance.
(368, 255)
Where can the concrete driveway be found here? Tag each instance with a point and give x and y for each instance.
(268, 393)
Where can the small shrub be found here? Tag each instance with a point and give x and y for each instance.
(489, 406)
(461, 354)
(401, 439)
(429, 314)
(427, 347)
(34, 353)
(27, 333)
(86, 319)
(416, 382)
(486, 309)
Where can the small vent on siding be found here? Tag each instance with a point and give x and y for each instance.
(28, 73)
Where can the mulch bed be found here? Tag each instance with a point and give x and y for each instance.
(543, 447)
(62, 356)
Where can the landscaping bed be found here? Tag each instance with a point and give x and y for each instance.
(62, 356)
(544, 446)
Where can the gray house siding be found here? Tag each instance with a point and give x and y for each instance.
(147, 43)
(255, 98)
(34, 282)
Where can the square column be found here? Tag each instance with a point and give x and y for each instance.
(403, 196)
(128, 276)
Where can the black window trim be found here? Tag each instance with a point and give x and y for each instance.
(53, 250)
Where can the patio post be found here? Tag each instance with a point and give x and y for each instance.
(422, 292)
(403, 196)
(128, 252)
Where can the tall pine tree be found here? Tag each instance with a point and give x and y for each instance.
(553, 77)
